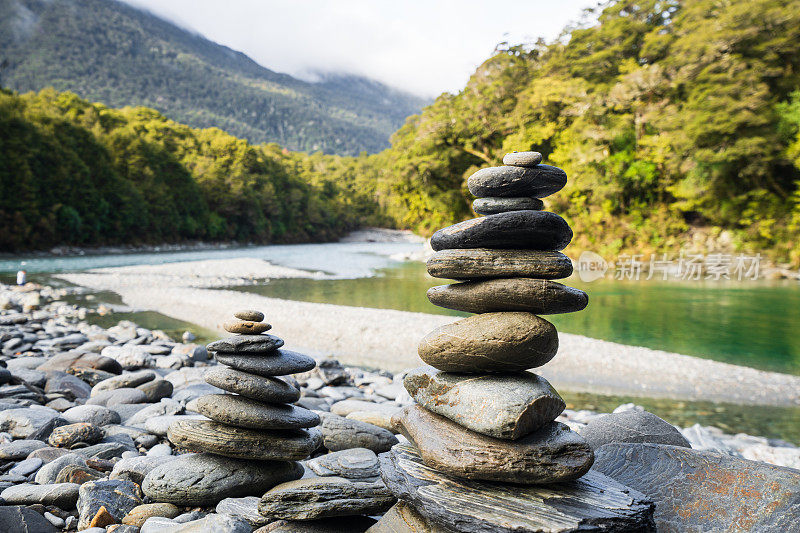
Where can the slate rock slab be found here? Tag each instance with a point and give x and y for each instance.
(403, 518)
(491, 342)
(213, 437)
(698, 491)
(244, 508)
(504, 406)
(325, 497)
(280, 363)
(265, 389)
(537, 181)
(526, 230)
(632, 426)
(549, 455)
(205, 479)
(246, 344)
(342, 524)
(591, 503)
(486, 263)
(492, 206)
(246, 413)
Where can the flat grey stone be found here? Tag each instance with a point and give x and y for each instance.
(245, 508)
(265, 389)
(62, 495)
(540, 296)
(97, 415)
(504, 406)
(698, 491)
(213, 437)
(239, 344)
(23, 422)
(354, 463)
(325, 497)
(48, 473)
(249, 315)
(19, 519)
(166, 407)
(492, 206)
(631, 426)
(491, 342)
(113, 397)
(592, 503)
(519, 230)
(281, 363)
(550, 455)
(136, 468)
(155, 390)
(339, 433)
(72, 434)
(485, 263)
(126, 380)
(116, 495)
(159, 425)
(522, 159)
(510, 181)
(402, 517)
(67, 384)
(246, 413)
(26, 467)
(205, 479)
(19, 449)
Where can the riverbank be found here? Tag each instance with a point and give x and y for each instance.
(387, 339)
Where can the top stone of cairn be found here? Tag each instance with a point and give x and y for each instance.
(522, 159)
(249, 315)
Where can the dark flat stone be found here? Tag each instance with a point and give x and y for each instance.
(632, 426)
(281, 363)
(526, 230)
(485, 263)
(537, 181)
(503, 406)
(697, 491)
(538, 296)
(591, 503)
(549, 455)
(246, 344)
(213, 437)
(491, 342)
(20, 519)
(246, 413)
(325, 497)
(492, 206)
(265, 389)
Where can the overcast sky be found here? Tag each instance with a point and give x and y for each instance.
(423, 46)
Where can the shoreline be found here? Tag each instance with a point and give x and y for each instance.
(387, 339)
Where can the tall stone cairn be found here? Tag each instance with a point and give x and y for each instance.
(486, 453)
(252, 438)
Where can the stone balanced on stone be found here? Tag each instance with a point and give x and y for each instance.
(254, 433)
(480, 416)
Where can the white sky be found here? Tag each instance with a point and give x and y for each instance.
(425, 47)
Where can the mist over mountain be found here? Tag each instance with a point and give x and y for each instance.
(109, 52)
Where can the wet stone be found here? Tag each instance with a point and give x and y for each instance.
(282, 363)
(504, 406)
(485, 263)
(492, 206)
(491, 342)
(246, 413)
(241, 344)
(538, 296)
(213, 437)
(592, 503)
(549, 455)
(265, 389)
(525, 230)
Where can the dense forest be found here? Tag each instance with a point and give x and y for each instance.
(677, 122)
(109, 52)
(83, 174)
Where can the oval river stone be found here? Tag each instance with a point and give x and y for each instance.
(507, 182)
(491, 206)
(527, 230)
(504, 406)
(246, 327)
(246, 344)
(279, 363)
(491, 342)
(249, 315)
(240, 443)
(265, 389)
(522, 159)
(478, 263)
(514, 294)
(246, 413)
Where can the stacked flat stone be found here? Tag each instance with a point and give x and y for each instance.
(255, 428)
(479, 415)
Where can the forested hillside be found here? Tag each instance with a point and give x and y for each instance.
(667, 116)
(83, 174)
(108, 52)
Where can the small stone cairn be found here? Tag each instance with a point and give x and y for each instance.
(254, 433)
(486, 453)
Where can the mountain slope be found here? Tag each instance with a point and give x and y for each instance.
(106, 51)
